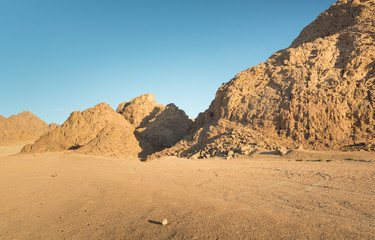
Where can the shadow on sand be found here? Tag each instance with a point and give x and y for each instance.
(155, 222)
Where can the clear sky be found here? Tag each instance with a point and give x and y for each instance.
(59, 56)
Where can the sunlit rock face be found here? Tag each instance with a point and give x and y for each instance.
(318, 93)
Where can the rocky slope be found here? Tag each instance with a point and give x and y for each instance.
(22, 128)
(138, 128)
(319, 92)
(157, 126)
(98, 130)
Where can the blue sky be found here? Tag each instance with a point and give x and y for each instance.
(59, 56)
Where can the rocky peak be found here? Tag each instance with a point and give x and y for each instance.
(318, 93)
(22, 128)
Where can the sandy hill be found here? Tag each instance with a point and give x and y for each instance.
(138, 128)
(319, 92)
(22, 128)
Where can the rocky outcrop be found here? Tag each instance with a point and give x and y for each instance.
(22, 129)
(157, 126)
(138, 128)
(319, 92)
(98, 130)
(140, 110)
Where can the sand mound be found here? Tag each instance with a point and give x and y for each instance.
(318, 93)
(157, 126)
(98, 130)
(22, 128)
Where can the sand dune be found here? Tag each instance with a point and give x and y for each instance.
(66, 196)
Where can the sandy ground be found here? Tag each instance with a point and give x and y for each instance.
(10, 150)
(65, 196)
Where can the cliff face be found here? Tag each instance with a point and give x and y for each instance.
(319, 92)
(22, 128)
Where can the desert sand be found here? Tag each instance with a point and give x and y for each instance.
(217, 176)
(264, 196)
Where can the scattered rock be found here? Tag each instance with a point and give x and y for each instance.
(164, 222)
(281, 151)
(195, 155)
(230, 153)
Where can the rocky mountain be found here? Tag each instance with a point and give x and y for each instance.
(98, 130)
(22, 128)
(157, 126)
(138, 128)
(318, 93)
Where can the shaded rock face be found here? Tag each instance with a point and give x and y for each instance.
(139, 110)
(22, 128)
(319, 92)
(98, 130)
(157, 126)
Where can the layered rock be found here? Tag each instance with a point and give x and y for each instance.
(99, 130)
(22, 129)
(157, 126)
(319, 92)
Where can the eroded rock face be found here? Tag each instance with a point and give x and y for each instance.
(98, 130)
(140, 110)
(157, 126)
(319, 92)
(22, 128)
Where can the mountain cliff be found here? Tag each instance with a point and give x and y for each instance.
(319, 92)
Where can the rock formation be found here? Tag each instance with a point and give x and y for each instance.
(138, 128)
(319, 92)
(98, 130)
(22, 129)
(157, 126)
